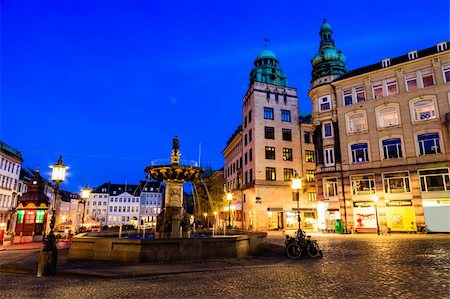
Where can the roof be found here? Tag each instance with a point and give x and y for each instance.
(10, 150)
(135, 190)
(266, 53)
(394, 61)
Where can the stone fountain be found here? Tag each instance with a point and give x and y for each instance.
(173, 222)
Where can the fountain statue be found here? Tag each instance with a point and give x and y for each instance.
(173, 221)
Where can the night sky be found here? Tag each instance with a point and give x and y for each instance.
(108, 84)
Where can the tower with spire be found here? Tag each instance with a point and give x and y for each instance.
(329, 62)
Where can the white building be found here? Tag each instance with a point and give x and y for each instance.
(151, 194)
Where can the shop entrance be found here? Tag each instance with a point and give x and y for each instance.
(274, 220)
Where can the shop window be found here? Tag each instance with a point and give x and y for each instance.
(270, 174)
(325, 103)
(392, 148)
(29, 217)
(288, 174)
(287, 154)
(40, 215)
(356, 122)
(270, 152)
(330, 187)
(423, 109)
(396, 182)
(434, 180)
(387, 116)
(354, 95)
(429, 143)
(20, 215)
(362, 184)
(359, 152)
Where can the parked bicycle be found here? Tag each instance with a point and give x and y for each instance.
(301, 244)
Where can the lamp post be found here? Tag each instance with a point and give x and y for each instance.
(296, 186)
(85, 193)
(229, 198)
(49, 253)
(375, 200)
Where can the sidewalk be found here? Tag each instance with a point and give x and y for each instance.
(274, 255)
(31, 246)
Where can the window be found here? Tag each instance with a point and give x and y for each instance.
(328, 156)
(384, 88)
(419, 79)
(446, 72)
(270, 152)
(429, 143)
(391, 148)
(362, 184)
(20, 214)
(288, 174)
(327, 130)
(250, 155)
(287, 154)
(312, 198)
(269, 132)
(286, 115)
(354, 95)
(387, 116)
(29, 217)
(325, 103)
(310, 175)
(287, 134)
(396, 182)
(245, 139)
(268, 113)
(309, 156)
(356, 122)
(423, 110)
(250, 116)
(359, 152)
(270, 174)
(250, 135)
(307, 136)
(330, 187)
(434, 180)
(40, 215)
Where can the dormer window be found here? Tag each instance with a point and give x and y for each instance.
(386, 62)
(413, 55)
(441, 46)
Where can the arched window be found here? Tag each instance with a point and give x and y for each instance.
(423, 109)
(388, 116)
(356, 122)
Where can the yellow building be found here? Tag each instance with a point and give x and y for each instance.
(382, 139)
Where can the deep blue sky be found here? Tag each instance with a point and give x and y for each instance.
(109, 83)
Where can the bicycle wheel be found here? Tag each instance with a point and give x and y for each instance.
(293, 251)
(313, 249)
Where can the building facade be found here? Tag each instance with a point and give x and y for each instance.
(382, 139)
(265, 152)
(10, 165)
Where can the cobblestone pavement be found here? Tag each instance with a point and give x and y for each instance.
(361, 266)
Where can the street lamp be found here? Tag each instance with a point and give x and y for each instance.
(85, 193)
(296, 186)
(229, 198)
(49, 254)
(375, 200)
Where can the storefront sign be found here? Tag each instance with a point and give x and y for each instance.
(364, 216)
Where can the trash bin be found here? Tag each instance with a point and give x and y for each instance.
(339, 228)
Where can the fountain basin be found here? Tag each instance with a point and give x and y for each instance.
(169, 249)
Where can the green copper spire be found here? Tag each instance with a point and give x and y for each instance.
(329, 61)
(266, 69)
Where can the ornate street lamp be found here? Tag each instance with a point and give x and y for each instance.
(296, 186)
(85, 193)
(229, 198)
(375, 200)
(49, 254)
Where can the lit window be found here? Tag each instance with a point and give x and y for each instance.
(287, 154)
(288, 174)
(327, 130)
(396, 182)
(423, 110)
(359, 152)
(354, 95)
(330, 187)
(309, 156)
(325, 103)
(434, 180)
(384, 88)
(387, 116)
(310, 175)
(362, 184)
(356, 122)
(286, 115)
(270, 174)
(270, 152)
(429, 143)
(392, 148)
